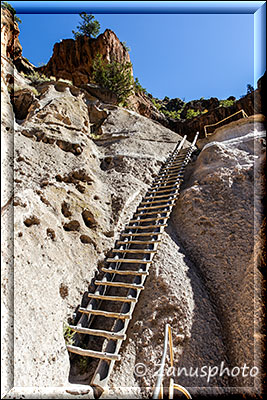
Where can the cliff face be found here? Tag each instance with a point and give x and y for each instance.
(75, 166)
(219, 217)
(251, 104)
(10, 45)
(73, 59)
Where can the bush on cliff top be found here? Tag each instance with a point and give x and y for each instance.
(87, 27)
(114, 76)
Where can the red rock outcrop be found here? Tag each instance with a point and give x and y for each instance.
(73, 59)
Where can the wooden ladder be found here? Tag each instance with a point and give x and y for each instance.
(111, 306)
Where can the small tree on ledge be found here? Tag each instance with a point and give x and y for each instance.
(88, 27)
(114, 76)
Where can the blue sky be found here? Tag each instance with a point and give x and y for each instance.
(187, 55)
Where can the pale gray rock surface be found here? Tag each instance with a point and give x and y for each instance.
(218, 218)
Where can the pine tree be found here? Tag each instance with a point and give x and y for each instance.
(88, 27)
(114, 76)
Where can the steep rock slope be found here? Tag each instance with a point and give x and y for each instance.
(218, 218)
(72, 196)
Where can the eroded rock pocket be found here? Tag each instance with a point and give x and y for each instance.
(65, 209)
(87, 240)
(89, 219)
(72, 226)
(33, 220)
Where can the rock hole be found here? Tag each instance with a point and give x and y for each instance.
(89, 219)
(65, 209)
(63, 290)
(51, 233)
(72, 226)
(33, 220)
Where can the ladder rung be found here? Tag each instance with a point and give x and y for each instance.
(103, 313)
(148, 219)
(133, 250)
(165, 180)
(155, 207)
(167, 175)
(144, 226)
(140, 234)
(156, 201)
(121, 272)
(178, 161)
(120, 284)
(128, 261)
(155, 196)
(179, 157)
(167, 186)
(95, 354)
(139, 242)
(96, 332)
(163, 190)
(170, 167)
(152, 213)
(176, 167)
(112, 298)
(173, 166)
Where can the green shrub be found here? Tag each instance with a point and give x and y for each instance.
(35, 91)
(172, 114)
(68, 334)
(36, 78)
(138, 88)
(124, 44)
(87, 27)
(114, 76)
(157, 105)
(192, 113)
(226, 103)
(6, 5)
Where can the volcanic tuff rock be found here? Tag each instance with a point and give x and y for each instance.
(10, 45)
(219, 218)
